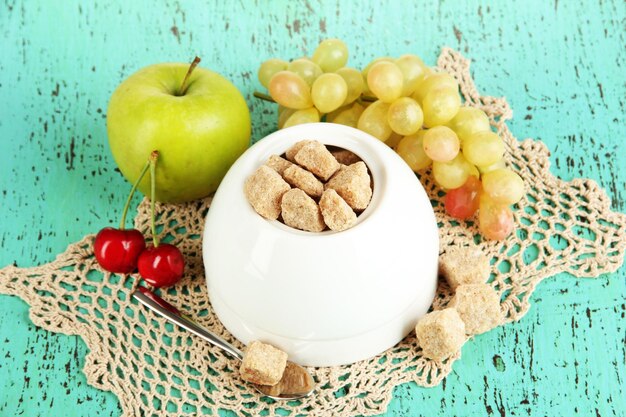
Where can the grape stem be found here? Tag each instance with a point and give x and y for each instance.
(132, 193)
(183, 86)
(264, 96)
(153, 160)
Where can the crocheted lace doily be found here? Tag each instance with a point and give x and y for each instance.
(157, 369)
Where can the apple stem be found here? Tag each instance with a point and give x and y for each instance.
(264, 96)
(153, 160)
(132, 193)
(183, 86)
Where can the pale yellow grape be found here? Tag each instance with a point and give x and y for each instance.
(496, 165)
(469, 120)
(290, 90)
(268, 69)
(452, 174)
(283, 114)
(374, 120)
(405, 116)
(330, 55)
(434, 81)
(350, 116)
(411, 149)
(307, 69)
(440, 106)
(385, 81)
(473, 170)
(354, 81)
(441, 144)
(413, 71)
(483, 148)
(393, 140)
(329, 92)
(503, 186)
(310, 115)
(367, 68)
(331, 115)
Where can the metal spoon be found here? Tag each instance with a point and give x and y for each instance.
(296, 382)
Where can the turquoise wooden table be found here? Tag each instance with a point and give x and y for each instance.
(561, 65)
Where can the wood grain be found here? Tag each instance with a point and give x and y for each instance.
(561, 65)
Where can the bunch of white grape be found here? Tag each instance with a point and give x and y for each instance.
(414, 109)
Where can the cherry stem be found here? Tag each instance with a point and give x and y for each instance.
(183, 86)
(132, 193)
(153, 160)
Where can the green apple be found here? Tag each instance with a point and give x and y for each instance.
(197, 120)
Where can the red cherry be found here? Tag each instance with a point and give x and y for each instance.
(117, 250)
(161, 266)
(461, 203)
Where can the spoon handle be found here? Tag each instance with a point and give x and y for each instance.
(171, 313)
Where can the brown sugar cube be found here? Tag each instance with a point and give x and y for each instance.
(295, 148)
(304, 180)
(316, 158)
(264, 190)
(278, 164)
(464, 265)
(353, 184)
(301, 211)
(338, 215)
(440, 333)
(345, 157)
(479, 307)
(263, 364)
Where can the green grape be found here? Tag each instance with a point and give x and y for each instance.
(385, 80)
(405, 116)
(413, 71)
(434, 81)
(354, 81)
(469, 120)
(374, 120)
(290, 90)
(393, 140)
(268, 69)
(310, 115)
(305, 68)
(440, 106)
(473, 170)
(411, 149)
(488, 168)
(483, 148)
(503, 186)
(348, 116)
(441, 144)
(329, 92)
(452, 174)
(283, 114)
(330, 55)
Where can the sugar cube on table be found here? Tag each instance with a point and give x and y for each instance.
(304, 180)
(338, 215)
(479, 307)
(264, 190)
(464, 265)
(301, 211)
(263, 364)
(316, 158)
(353, 184)
(440, 333)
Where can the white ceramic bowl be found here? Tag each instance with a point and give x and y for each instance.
(327, 298)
